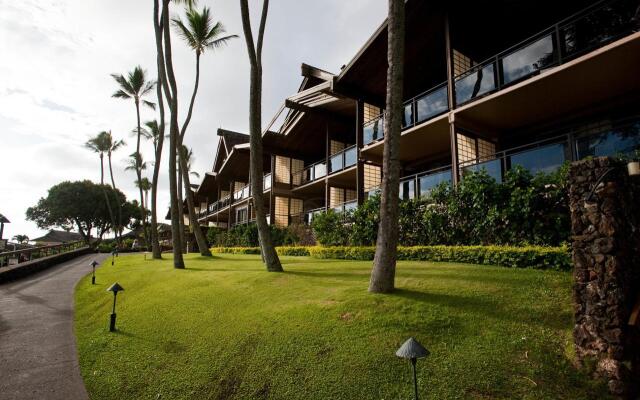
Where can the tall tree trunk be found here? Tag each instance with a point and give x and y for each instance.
(143, 213)
(172, 96)
(384, 262)
(269, 255)
(181, 202)
(104, 191)
(203, 247)
(113, 185)
(162, 84)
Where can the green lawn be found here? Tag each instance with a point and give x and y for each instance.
(226, 329)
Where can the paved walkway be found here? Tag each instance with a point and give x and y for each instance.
(38, 356)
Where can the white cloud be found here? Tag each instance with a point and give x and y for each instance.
(55, 88)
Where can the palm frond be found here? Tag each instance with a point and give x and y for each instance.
(185, 34)
(124, 84)
(149, 104)
(121, 94)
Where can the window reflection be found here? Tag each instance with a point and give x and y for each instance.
(475, 84)
(544, 159)
(407, 189)
(618, 141)
(532, 58)
(493, 168)
(427, 182)
(432, 104)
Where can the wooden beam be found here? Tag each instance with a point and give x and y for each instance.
(356, 94)
(310, 71)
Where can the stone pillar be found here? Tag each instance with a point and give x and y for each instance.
(605, 217)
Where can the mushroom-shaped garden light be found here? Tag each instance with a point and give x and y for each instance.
(412, 350)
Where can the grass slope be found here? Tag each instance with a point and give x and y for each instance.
(226, 329)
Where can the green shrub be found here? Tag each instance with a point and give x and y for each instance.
(299, 251)
(330, 229)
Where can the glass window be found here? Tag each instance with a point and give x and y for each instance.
(475, 84)
(335, 163)
(534, 57)
(350, 157)
(543, 159)
(618, 141)
(352, 205)
(493, 168)
(432, 104)
(407, 115)
(407, 189)
(428, 182)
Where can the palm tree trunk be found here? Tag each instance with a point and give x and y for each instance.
(143, 213)
(269, 255)
(181, 203)
(104, 191)
(178, 261)
(203, 247)
(384, 262)
(118, 229)
(162, 84)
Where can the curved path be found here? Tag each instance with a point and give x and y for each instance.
(38, 356)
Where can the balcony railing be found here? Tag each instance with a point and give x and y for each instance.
(421, 184)
(309, 174)
(343, 159)
(346, 206)
(572, 37)
(242, 194)
(9, 258)
(266, 183)
(576, 35)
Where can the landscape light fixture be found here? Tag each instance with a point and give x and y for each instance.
(115, 288)
(412, 350)
(94, 264)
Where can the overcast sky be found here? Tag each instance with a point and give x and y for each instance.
(55, 87)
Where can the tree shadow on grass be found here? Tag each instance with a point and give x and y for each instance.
(492, 309)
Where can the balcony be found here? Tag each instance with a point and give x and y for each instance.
(572, 37)
(563, 43)
(242, 194)
(343, 159)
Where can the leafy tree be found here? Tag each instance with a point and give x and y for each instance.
(78, 204)
(366, 218)
(136, 86)
(269, 255)
(330, 228)
(22, 239)
(384, 262)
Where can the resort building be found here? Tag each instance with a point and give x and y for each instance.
(486, 87)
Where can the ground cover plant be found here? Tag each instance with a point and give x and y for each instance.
(226, 329)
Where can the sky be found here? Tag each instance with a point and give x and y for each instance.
(55, 83)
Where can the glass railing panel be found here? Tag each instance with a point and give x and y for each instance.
(245, 192)
(475, 84)
(427, 182)
(545, 159)
(432, 104)
(373, 131)
(335, 162)
(407, 115)
(598, 27)
(319, 171)
(620, 141)
(408, 189)
(350, 206)
(266, 183)
(492, 167)
(528, 60)
(350, 157)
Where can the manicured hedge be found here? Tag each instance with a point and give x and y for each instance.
(555, 258)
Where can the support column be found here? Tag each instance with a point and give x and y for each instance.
(359, 145)
(272, 200)
(326, 163)
(451, 95)
(231, 187)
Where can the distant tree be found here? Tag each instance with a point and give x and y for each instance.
(22, 239)
(101, 144)
(269, 255)
(136, 86)
(384, 263)
(113, 146)
(80, 205)
(200, 33)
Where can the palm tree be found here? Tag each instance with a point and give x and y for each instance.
(145, 185)
(200, 34)
(155, 133)
(269, 254)
(113, 146)
(188, 156)
(384, 262)
(22, 239)
(136, 86)
(136, 163)
(101, 144)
